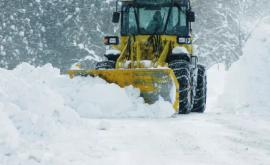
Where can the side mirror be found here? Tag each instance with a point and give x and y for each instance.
(116, 17)
(194, 61)
(191, 16)
(111, 40)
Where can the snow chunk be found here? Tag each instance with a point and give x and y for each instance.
(179, 50)
(21, 33)
(113, 52)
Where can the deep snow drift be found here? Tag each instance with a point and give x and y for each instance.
(44, 91)
(248, 82)
(46, 118)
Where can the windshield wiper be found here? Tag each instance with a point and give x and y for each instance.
(137, 20)
(167, 21)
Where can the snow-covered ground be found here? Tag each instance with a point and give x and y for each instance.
(48, 119)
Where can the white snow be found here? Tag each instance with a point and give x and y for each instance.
(252, 72)
(113, 52)
(41, 112)
(179, 50)
(46, 118)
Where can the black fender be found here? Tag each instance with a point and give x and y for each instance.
(112, 57)
(180, 56)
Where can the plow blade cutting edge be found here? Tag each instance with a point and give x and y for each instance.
(153, 83)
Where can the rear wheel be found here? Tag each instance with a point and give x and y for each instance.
(181, 70)
(105, 65)
(201, 91)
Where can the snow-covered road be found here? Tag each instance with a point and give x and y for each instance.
(47, 119)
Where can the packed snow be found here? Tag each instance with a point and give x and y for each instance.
(46, 118)
(112, 52)
(179, 50)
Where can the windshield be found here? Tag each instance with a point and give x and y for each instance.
(154, 20)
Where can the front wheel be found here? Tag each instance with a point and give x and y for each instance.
(182, 72)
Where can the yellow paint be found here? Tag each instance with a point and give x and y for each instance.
(130, 70)
(149, 81)
(140, 49)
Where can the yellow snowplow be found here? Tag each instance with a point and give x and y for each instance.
(154, 54)
(152, 83)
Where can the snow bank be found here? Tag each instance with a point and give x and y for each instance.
(246, 84)
(216, 77)
(44, 91)
(38, 105)
(8, 133)
(248, 80)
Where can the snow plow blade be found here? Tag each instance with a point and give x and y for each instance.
(152, 83)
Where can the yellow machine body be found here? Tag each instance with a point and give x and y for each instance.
(153, 83)
(154, 79)
(141, 49)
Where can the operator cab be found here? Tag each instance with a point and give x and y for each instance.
(156, 17)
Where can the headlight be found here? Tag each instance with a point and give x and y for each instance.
(183, 40)
(111, 40)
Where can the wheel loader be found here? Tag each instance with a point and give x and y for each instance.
(154, 54)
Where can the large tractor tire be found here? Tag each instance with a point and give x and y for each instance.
(181, 70)
(105, 65)
(201, 91)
